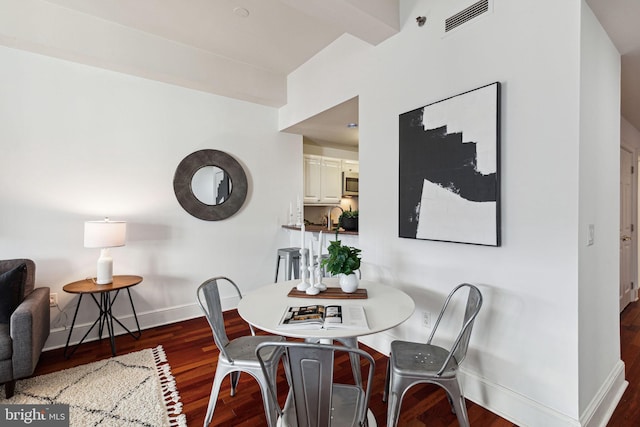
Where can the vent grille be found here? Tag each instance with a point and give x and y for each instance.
(466, 15)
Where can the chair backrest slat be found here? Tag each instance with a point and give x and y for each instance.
(310, 369)
(474, 302)
(212, 308)
(311, 378)
(459, 347)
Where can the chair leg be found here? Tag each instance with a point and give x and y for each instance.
(393, 408)
(213, 398)
(277, 268)
(10, 388)
(398, 385)
(457, 400)
(385, 391)
(269, 405)
(295, 265)
(234, 377)
(355, 359)
(287, 266)
(355, 367)
(285, 365)
(453, 409)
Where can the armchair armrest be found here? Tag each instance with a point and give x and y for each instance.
(30, 326)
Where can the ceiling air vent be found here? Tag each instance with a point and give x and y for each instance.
(466, 15)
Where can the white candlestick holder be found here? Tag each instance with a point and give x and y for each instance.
(317, 283)
(304, 284)
(299, 216)
(311, 290)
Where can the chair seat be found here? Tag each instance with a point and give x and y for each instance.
(243, 349)
(410, 358)
(346, 401)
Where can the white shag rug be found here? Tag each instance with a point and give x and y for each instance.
(135, 389)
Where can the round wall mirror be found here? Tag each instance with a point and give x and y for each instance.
(210, 185)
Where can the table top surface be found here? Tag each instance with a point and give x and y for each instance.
(88, 286)
(385, 308)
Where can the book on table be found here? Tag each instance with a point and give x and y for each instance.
(324, 317)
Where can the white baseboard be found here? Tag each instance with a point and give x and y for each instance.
(511, 405)
(524, 411)
(605, 401)
(58, 336)
(520, 409)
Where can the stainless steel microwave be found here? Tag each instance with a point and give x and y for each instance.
(349, 184)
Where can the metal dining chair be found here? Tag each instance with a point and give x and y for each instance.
(239, 354)
(314, 400)
(413, 363)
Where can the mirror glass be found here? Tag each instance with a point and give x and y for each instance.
(211, 185)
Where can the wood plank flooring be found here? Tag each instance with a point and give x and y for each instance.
(193, 357)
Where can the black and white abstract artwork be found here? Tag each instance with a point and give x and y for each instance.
(449, 169)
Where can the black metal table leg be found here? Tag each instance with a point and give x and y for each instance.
(75, 314)
(99, 321)
(135, 316)
(105, 304)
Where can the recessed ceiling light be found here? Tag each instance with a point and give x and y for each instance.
(352, 125)
(241, 12)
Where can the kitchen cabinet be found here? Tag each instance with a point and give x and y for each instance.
(322, 180)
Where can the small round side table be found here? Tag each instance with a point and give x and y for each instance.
(104, 304)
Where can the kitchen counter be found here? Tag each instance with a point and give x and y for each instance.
(318, 228)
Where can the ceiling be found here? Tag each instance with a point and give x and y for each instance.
(244, 49)
(335, 127)
(620, 19)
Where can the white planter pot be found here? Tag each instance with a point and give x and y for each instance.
(349, 282)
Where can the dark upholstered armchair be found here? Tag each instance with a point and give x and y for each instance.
(24, 325)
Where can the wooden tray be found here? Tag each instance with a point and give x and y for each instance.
(330, 293)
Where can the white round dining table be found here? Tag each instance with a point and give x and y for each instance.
(385, 307)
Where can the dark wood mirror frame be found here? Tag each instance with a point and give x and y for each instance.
(184, 193)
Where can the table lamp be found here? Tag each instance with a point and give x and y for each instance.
(104, 235)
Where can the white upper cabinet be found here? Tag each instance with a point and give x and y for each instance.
(350, 166)
(322, 180)
(331, 187)
(312, 179)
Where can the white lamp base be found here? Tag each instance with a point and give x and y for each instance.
(105, 268)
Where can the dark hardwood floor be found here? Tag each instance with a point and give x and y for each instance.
(193, 357)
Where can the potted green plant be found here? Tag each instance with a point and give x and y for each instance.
(343, 261)
(349, 220)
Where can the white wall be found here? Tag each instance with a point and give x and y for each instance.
(599, 178)
(80, 143)
(524, 360)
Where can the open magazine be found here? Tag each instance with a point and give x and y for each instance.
(324, 317)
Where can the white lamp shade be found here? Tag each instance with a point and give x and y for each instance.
(104, 234)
